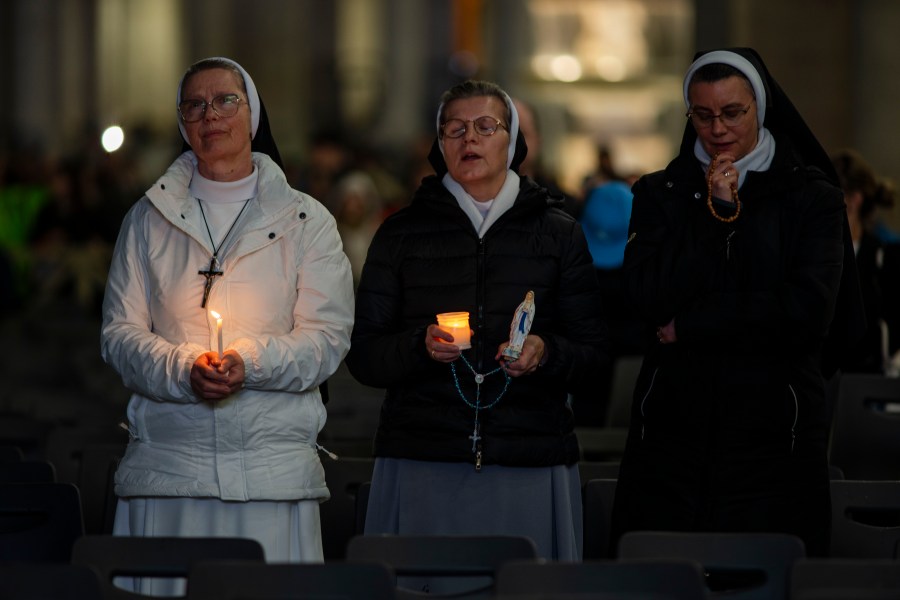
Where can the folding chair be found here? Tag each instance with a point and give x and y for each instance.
(449, 566)
(865, 518)
(821, 578)
(865, 438)
(240, 580)
(674, 579)
(27, 471)
(39, 522)
(739, 566)
(155, 565)
(95, 480)
(598, 469)
(49, 581)
(11, 453)
(597, 504)
(338, 514)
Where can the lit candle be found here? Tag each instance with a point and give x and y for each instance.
(457, 325)
(218, 319)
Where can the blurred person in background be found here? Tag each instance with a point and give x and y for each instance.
(877, 261)
(357, 208)
(532, 165)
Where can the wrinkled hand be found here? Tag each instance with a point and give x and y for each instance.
(440, 346)
(666, 333)
(532, 353)
(724, 177)
(212, 379)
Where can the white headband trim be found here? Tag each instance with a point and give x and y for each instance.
(513, 128)
(741, 64)
(252, 98)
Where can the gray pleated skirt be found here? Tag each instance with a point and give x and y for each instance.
(434, 498)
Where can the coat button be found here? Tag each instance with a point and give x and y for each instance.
(669, 184)
(272, 235)
(697, 195)
(162, 186)
(303, 215)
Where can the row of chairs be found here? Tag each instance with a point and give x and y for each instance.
(865, 518)
(681, 566)
(41, 521)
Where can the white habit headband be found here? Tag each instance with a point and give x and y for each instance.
(252, 98)
(741, 64)
(513, 129)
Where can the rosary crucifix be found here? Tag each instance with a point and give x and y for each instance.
(211, 273)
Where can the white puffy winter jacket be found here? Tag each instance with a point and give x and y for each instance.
(286, 299)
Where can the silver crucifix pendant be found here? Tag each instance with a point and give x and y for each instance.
(475, 437)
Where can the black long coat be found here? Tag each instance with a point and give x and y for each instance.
(729, 424)
(428, 259)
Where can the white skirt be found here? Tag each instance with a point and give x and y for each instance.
(287, 531)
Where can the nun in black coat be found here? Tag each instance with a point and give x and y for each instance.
(740, 264)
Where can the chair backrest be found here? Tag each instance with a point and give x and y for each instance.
(11, 453)
(49, 581)
(241, 580)
(738, 565)
(96, 482)
(163, 558)
(338, 513)
(601, 444)
(443, 558)
(362, 506)
(597, 469)
(865, 437)
(675, 579)
(821, 578)
(66, 444)
(625, 373)
(597, 501)
(39, 522)
(27, 471)
(865, 518)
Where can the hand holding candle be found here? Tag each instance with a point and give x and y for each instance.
(457, 325)
(218, 319)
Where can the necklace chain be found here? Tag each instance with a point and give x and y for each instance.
(213, 270)
(227, 233)
(734, 196)
(479, 378)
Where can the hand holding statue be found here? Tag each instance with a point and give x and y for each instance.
(519, 328)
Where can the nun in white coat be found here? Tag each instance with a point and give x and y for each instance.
(225, 444)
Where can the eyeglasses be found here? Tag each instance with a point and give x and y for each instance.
(730, 117)
(456, 128)
(225, 106)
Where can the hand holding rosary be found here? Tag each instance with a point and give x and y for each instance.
(734, 192)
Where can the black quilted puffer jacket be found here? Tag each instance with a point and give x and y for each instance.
(427, 259)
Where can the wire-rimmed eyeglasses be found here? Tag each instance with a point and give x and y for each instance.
(730, 117)
(456, 128)
(224, 105)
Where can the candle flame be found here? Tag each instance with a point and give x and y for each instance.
(215, 315)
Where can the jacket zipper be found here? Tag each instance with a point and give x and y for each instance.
(644, 400)
(796, 417)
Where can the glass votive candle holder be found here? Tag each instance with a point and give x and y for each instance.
(457, 325)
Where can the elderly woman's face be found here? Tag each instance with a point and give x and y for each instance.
(725, 100)
(215, 138)
(477, 162)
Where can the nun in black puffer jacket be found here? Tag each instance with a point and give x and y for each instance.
(470, 441)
